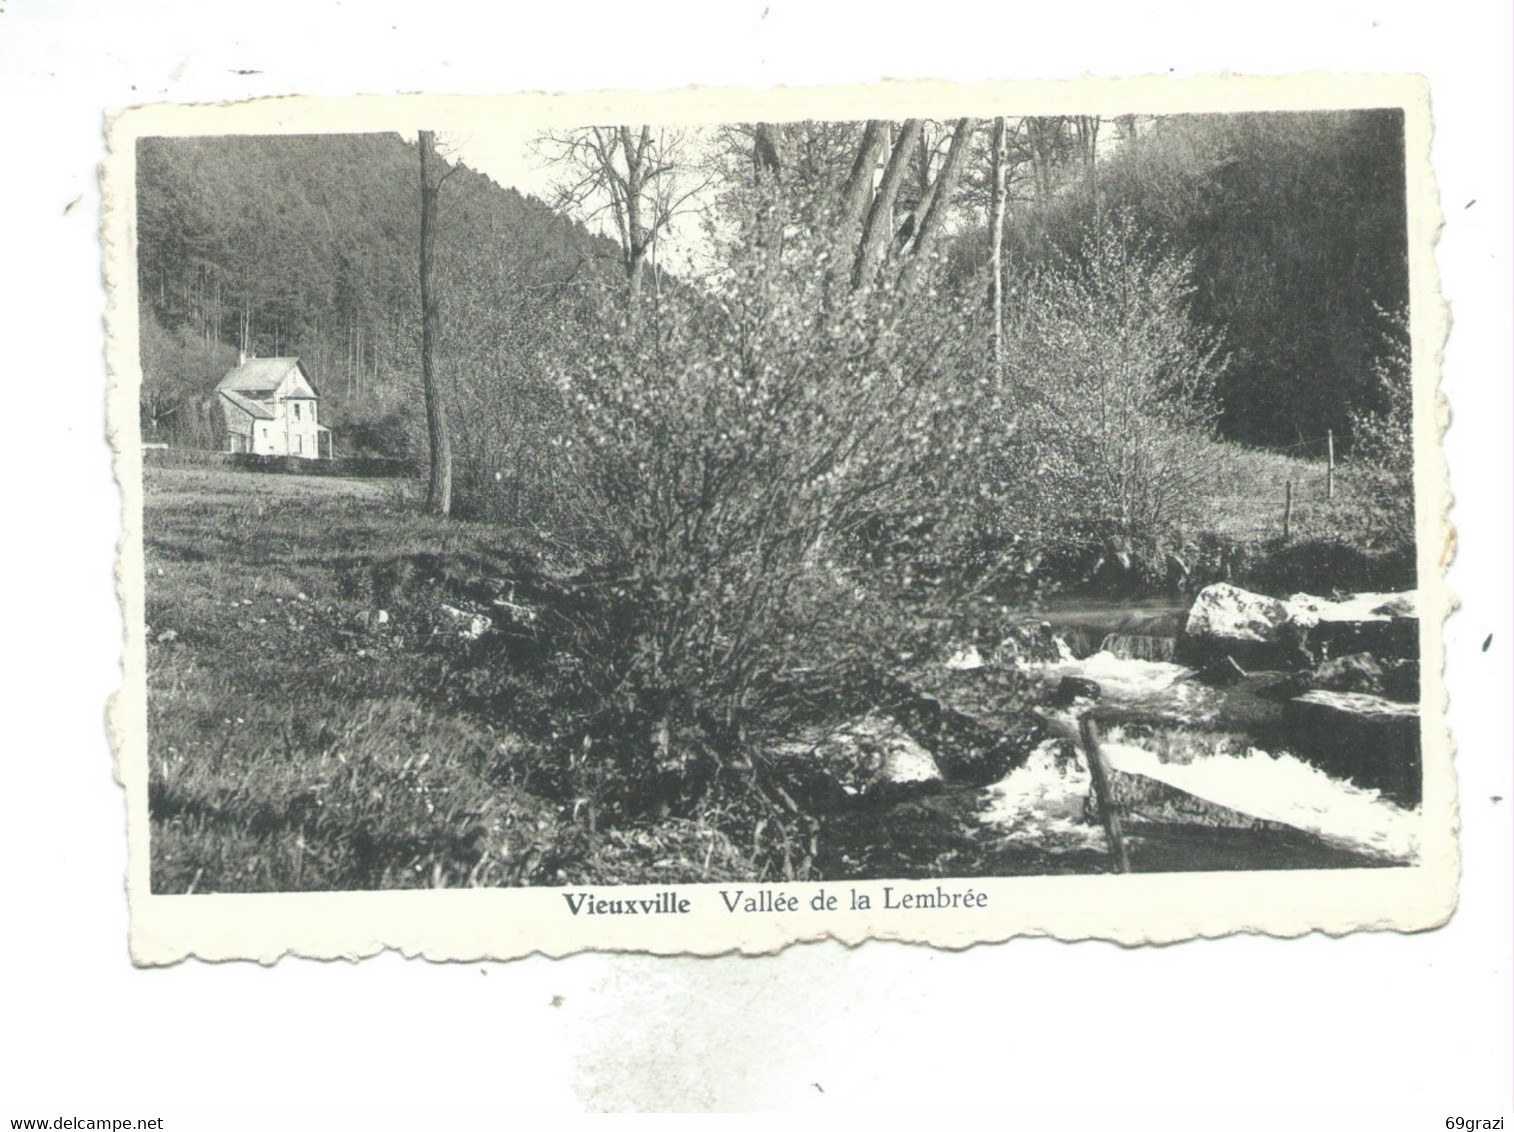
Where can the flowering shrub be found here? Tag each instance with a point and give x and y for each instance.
(1383, 441)
(735, 442)
(1114, 385)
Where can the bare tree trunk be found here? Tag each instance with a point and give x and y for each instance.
(858, 191)
(908, 227)
(996, 243)
(767, 172)
(765, 155)
(638, 238)
(1088, 147)
(879, 228)
(439, 493)
(940, 191)
(1087, 126)
(1045, 135)
(914, 221)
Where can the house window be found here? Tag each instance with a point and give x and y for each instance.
(298, 448)
(296, 410)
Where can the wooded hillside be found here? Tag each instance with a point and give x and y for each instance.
(1297, 228)
(308, 246)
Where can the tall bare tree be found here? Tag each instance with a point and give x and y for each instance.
(828, 178)
(999, 162)
(439, 491)
(857, 194)
(943, 187)
(641, 178)
(1048, 141)
(879, 228)
(1086, 132)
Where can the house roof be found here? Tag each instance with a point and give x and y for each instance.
(257, 375)
(262, 376)
(247, 405)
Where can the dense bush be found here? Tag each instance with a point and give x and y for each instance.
(1113, 387)
(1297, 226)
(382, 424)
(506, 335)
(1383, 440)
(781, 472)
(733, 445)
(180, 369)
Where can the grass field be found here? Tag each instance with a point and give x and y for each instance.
(318, 720)
(272, 720)
(1248, 490)
(1338, 543)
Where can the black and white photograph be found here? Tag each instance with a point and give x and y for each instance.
(804, 501)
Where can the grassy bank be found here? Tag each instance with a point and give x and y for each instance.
(1331, 541)
(1246, 527)
(319, 718)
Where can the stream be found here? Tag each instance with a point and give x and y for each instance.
(1210, 777)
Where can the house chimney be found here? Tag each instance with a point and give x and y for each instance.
(241, 357)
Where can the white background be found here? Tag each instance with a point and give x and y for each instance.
(1374, 1021)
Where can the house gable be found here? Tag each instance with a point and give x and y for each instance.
(297, 384)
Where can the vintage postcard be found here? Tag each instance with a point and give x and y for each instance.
(708, 521)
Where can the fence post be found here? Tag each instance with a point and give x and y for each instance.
(1098, 770)
(1288, 511)
(1330, 466)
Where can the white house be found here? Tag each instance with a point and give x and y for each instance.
(271, 409)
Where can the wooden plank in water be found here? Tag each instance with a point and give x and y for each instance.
(1098, 770)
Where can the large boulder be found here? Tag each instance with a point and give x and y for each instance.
(871, 757)
(1261, 631)
(967, 749)
(1254, 629)
(1384, 624)
(1223, 612)
(906, 768)
(1354, 608)
(1372, 741)
(1356, 672)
